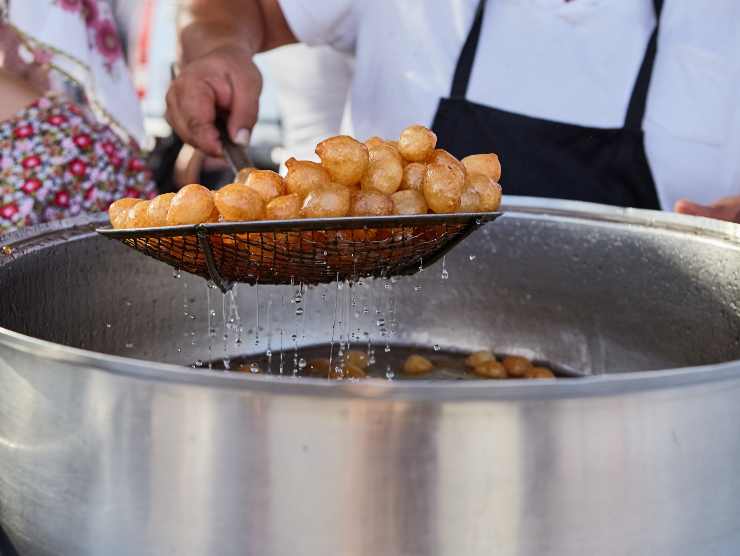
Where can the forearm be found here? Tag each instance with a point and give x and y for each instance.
(249, 25)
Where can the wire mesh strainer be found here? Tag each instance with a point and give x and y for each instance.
(311, 251)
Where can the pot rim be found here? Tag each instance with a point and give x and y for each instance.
(421, 390)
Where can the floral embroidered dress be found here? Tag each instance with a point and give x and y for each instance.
(58, 157)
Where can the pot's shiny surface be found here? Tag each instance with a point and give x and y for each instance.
(101, 454)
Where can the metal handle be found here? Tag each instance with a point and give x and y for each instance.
(236, 155)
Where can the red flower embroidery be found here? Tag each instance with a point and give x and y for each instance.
(61, 199)
(9, 211)
(30, 162)
(106, 39)
(136, 165)
(108, 148)
(23, 131)
(70, 5)
(90, 194)
(116, 161)
(57, 120)
(83, 141)
(31, 186)
(90, 12)
(133, 192)
(77, 168)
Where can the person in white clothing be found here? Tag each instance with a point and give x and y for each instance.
(630, 103)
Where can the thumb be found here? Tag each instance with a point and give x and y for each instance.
(720, 212)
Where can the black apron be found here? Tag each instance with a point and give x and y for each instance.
(544, 158)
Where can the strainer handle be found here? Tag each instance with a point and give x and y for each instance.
(236, 155)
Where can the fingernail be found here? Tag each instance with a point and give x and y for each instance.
(242, 137)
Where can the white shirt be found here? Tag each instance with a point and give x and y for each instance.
(573, 62)
(312, 86)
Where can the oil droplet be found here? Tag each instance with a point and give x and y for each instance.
(389, 374)
(299, 311)
(417, 288)
(380, 322)
(445, 274)
(302, 363)
(108, 325)
(177, 274)
(254, 368)
(472, 257)
(387, 349)
(129, 346)
(436, 347)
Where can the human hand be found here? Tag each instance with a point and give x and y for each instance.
(727, 208)
(225, 79)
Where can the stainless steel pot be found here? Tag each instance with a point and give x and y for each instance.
(123, 452)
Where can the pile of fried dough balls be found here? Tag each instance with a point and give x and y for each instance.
(484, 364)
(377, 178)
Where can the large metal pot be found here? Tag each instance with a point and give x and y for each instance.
(113, 453)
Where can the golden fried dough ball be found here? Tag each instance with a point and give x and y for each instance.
(517, 367)
(193, 204)
(441, 156)
(286, 207)
(215, 216)
(409, 202)
(470, 201)
(490, 369)
(417, 143)
(488, 190)
(478, 358)
(318, 368)
(239, 202)
(326, 202)
(417, 365)
(539, 373)
(443, 187)
(370, 203)
(243, 175)
(353, 371)
(486, 164)
(374, 142)
(137, 216)
(413, 176)
(345, 158)
(158, 207)
(267, 184)
(384, 171)
(118, 211)
(358, 359)
(304, 176)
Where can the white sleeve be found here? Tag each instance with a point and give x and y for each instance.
(323, 22)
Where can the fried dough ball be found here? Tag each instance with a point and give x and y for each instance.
(413, 176)
(374, 142)
(384, 171)
(488, 190)
(239, 202)
(345, 158)
(243, 175)
(539, 373)
(318, 368)
(490, 369)
(443, 187)
(193, 204)
(478, 358)
(267, 184)
(118, 211)
(370, 203)
(409, 202)
(304, 176)
(358, 359)
(286, 207)
(158, 207)
(441, 156)
(353, 371)
(417, 365)
(417, 143)
(470, 201)
(137, 216)
(516, 367)
(326, 202)
(486, 164)
(215, 216)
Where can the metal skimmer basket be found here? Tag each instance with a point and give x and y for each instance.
(311, 251)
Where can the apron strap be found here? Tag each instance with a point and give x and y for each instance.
(467, 56)
(638, 101)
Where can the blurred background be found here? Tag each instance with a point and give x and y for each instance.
(295, 111)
